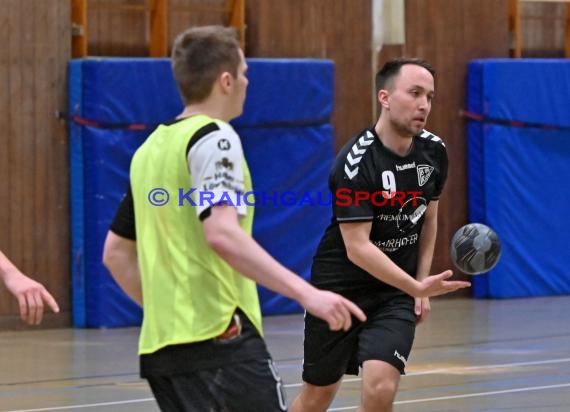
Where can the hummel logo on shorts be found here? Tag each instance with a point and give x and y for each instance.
(402, 359)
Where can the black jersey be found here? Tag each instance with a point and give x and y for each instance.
(369, 182)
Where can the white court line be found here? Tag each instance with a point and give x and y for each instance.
(86, 405)
(467, 395)
(432, 371)
(344, 408)
(460, 368)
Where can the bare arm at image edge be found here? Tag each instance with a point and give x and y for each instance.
(31, 295)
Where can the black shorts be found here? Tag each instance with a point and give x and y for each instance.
(218, 375)
(387, 335)
(252, 386)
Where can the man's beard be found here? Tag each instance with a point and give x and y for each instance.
(406, 130)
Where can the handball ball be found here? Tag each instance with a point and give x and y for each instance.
(475, 248)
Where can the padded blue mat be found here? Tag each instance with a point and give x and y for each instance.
(287, 139)
(519, 176)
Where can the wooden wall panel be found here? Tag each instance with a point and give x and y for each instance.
(543, 29)
(117, 28)
(296, 28)
(449, 33)
(34, 222)
(339, 30)
(186, 13)
(121, 27)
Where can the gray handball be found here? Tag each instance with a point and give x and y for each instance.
(475, 248)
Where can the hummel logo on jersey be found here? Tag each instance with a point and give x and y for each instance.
(355, 154)
(424, 172)
(405, 166)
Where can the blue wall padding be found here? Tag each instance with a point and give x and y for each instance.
(77, 201)
(106, 164)
(127, 90)
(288, 92)
(287, 139)
(299, 162)
(518, 177)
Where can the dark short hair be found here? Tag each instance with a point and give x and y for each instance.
(392, 68)
(199, 56)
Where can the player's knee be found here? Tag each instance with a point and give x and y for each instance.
(314, 398)
(380, 393)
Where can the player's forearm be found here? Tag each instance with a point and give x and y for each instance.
(119, 257)
(7, 268)
(426, 249)
(378, 264)
(129, 279)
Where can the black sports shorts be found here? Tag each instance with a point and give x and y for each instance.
(252, 386)
(232, 373)
(387, 335)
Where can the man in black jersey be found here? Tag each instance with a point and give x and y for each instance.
(378, 250)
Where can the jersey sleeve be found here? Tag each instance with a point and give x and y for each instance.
(442, 175)
(351, 194)
(216, 166)
(124, 223)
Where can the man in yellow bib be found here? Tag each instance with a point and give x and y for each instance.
(191, 262)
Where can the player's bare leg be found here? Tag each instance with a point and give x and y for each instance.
(314, 398)
(379, 385)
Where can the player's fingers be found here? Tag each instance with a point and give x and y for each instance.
(334, 323)
(330, 317)
(31, 303)
(342, 317)
(51, 302)
(23, 305)
(33, 297)
(418, 307)
(460, 284)
(355, 310)
(426, 309)
(39, 308)
(446, 274)
(345, 316)
(452, 286)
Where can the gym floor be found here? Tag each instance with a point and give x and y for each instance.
(472, 355)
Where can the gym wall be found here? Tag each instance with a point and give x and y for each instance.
(34, 170)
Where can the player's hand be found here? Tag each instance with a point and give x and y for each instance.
(422, 309)
(31, 297)
(436, 285)
(334, 309)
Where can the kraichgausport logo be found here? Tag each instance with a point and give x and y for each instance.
(342, 197)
